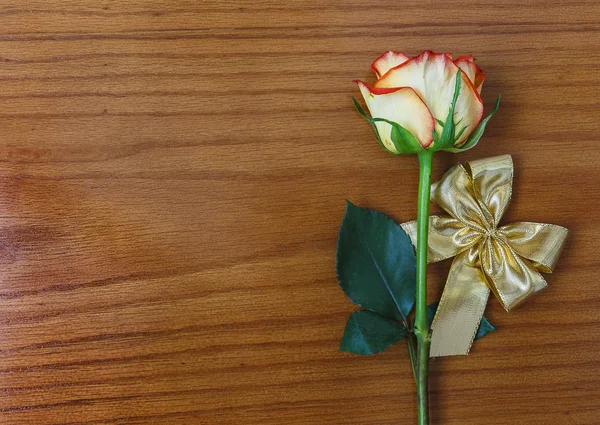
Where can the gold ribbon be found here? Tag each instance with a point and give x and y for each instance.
(506, 260)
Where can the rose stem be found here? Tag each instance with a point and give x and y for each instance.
(421, 326)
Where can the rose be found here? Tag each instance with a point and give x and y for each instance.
(422, 105)
(426, 102)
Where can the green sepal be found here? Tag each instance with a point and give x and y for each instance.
(485, 327)
(360, 109)
(478, 132)
(370, 333)
(460, 133)
(376, 264)
(368, 118)
(447, 137)
(404, 141)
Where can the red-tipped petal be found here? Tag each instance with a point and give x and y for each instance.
(377, 90)
(387, 61)
(468, 57)
(469, 67)
(403, 106)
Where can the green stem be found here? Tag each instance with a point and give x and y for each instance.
(422, 331)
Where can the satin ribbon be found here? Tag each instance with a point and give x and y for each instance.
(506, 260)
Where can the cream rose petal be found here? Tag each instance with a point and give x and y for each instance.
(432, 76)
(469, 67)
(403, 106)
(387, 61)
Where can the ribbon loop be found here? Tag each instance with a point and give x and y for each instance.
(541, 243)
(465, 207)
(492, 184)
(511, 278)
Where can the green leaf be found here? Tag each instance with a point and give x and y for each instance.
(376, 263)
(478, 132)
(440, 122)
(369, 333)
(485, 327)
(447, 137)
(431, 309)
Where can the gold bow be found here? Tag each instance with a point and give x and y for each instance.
(508, 259)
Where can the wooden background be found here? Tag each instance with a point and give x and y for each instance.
(172, 179)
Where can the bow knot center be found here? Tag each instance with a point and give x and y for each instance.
(491, 232)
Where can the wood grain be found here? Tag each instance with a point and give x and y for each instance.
(172, 179)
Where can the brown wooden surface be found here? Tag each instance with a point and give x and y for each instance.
(172, 179)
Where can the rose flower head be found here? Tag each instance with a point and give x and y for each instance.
(428, 102)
